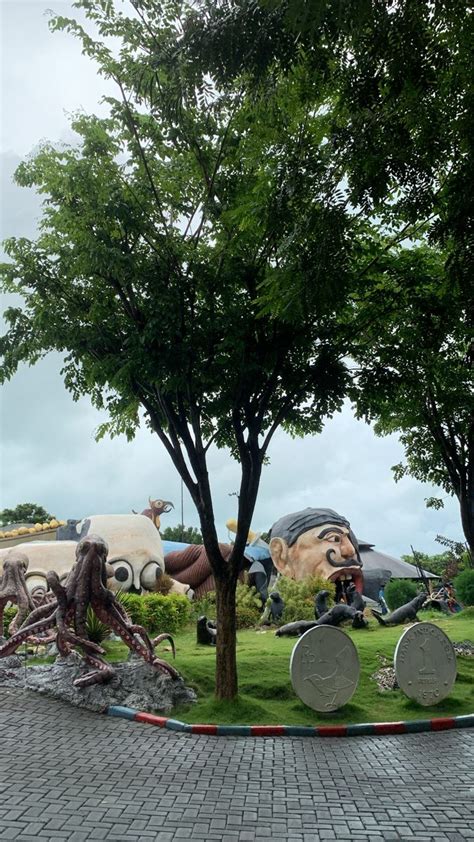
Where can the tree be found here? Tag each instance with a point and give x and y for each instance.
(187, 534)
(25, 513)
(182, 239)
(416, 371)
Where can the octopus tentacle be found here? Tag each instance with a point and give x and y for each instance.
(20, 636)
(165, 636)
(103, 672)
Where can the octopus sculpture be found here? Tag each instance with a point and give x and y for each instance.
(13, 589)
(66, 614)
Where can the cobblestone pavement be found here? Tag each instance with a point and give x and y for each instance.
(67, 774)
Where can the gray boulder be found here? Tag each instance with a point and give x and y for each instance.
(135, 684)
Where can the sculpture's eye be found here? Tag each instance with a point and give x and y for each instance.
(335, 539)
(149, 575)
(36, 582)
(123, 573)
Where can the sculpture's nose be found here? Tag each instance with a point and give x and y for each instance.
(347, 547)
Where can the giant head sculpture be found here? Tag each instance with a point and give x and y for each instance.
(316, 542)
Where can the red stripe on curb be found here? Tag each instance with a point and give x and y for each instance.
(152, 719)
(390, 728)
(204, 729)
(442, 723)
(332, 731)
(267, 730)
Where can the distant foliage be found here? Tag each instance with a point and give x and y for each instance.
(25, 513)
(464, 587)
(299, 596)
(186, 534)
(447, 564)
(398, 592)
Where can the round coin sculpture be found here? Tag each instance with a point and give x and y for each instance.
(324, 668)
(425, 663)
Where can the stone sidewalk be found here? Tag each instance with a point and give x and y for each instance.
(67, 774)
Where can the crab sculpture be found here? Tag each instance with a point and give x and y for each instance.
(66, 613)
(13, 589)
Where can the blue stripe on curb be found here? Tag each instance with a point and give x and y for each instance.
(301, 731)
(125, 713)
(176, 725)
(234, 731)
(415, 726)
(362, 729)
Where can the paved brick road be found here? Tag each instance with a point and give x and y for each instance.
(72, 775)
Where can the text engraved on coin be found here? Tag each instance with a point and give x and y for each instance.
(324, 668)
(425, 663)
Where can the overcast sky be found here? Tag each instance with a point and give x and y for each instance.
(48, 452)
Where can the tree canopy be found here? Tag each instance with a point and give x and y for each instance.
(187, 534)
(416, 374)
(25, 513)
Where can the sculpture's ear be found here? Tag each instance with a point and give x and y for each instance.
(279, 554)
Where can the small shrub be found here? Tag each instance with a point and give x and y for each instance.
(299, 596)
(205, 606)
(97, 631)
(248, 606)
(398, 592)
(464, 587)
(8, 616)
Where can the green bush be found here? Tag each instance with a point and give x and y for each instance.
(166, 613)
(464, 587)
(134, 606)
(205, 606)
(299, 596)
(157, 613)
(8, 616)
(398, 592)
(248, 606)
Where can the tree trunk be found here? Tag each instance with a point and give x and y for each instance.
(226, 660)
(467, 520)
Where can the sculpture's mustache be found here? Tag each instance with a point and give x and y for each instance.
(351, 562)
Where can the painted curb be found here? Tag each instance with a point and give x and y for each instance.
(413, 726)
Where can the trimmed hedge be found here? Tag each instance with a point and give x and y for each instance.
(158, 613)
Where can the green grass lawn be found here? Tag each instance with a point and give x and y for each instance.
(267, 697)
